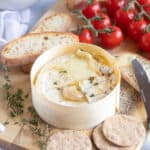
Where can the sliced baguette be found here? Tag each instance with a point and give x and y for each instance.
(26, 49)
(124, 62)
(61, 22)
(71, 4)
(26, 68)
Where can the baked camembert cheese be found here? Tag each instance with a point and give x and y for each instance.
(75, 86)
(76, 78)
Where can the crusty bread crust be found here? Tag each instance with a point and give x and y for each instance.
(26, 68)
(30, 57)
(47, 25)
(71, 4)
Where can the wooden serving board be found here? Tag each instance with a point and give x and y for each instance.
(19, 136)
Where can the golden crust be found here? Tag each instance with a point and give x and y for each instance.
(28, 58)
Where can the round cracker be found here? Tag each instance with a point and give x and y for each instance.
(69, 140)
(123, 130)
(102, 143)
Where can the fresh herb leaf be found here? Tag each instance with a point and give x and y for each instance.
(91, 79)
(55, 83)
(14, 100)
(4, 68)
(6, 77)
(15, 104)
(95, 84)
(92, 95)
(64, 71)
(32, 122)
(6, 123)
(37, 131)
(7, 87)
(26, 96)
(42, 145)
(43, 134)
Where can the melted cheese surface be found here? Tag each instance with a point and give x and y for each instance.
(91, 78)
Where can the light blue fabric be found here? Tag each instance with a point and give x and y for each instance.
(15, 23)
(39, 9)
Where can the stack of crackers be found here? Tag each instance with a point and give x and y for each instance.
(119, 132)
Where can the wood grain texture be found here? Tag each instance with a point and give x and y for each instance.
(18, 136)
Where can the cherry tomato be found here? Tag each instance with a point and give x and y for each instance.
(112, 38)
(145, 42)
(92, 9)
(86, 36)
(113, 5)
(147, 9)
(144, 2)
(123, 18)
(102, 22)
(135, 29)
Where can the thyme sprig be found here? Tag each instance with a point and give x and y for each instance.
(14, 99)
(43, 134)
(4, 68)
(42, 145)
(35, 119)
(34, 125)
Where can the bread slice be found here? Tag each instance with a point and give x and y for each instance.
(71, 4)
(124, 62)
(26, 68)
(27, 48)
(56, 23)
(61, 22)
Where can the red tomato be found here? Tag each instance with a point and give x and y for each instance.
(86, 36)
(101, 23)
(92, 9)
(123, 18)
(111, 39)
(146, 5)
(147, 9)
(144, 2)
(135, 29)
(113, 5)
(145, 42)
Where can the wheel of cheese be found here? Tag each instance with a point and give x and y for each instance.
(73, 115)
